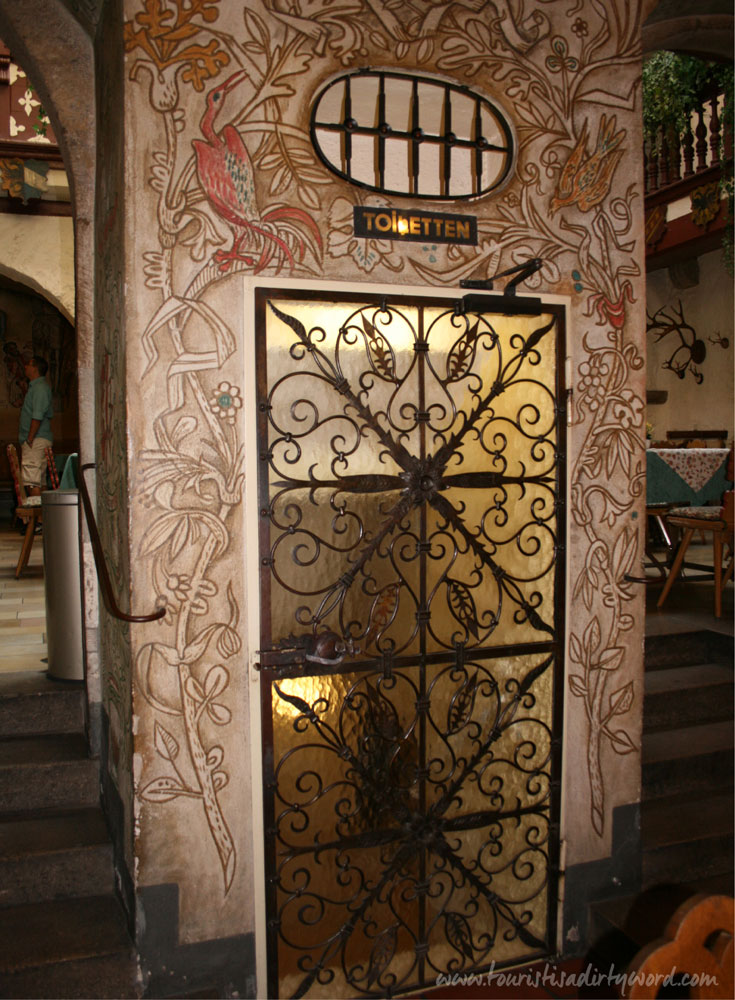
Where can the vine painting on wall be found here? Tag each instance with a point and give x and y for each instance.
(239, 190)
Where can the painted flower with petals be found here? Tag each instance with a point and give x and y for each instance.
(226, 402)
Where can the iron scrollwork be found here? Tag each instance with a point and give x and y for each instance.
(410, 491)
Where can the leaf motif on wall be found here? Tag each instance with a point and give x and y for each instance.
(165, 789)
(165, 743)
(183, 427)
(620, 741)
(216, 681)
(621, 700)
(610, 659)
(577, 685)
(258, 31)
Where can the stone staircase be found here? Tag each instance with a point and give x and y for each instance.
(687, 790)
(63, 932)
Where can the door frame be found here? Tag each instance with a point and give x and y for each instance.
(351, 291)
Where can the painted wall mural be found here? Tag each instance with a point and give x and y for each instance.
(233, 186)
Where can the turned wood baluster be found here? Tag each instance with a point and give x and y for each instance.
(675, 156)
(701, 144)
(688, 151)
(664, 178)
(714, 133)
(652, 171)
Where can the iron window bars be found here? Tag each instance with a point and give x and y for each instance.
(440, 115)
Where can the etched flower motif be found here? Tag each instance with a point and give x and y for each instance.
(592, 381)
(226, 402)
(579, 28)
(561, 60)
(179, 585)
(366, 253)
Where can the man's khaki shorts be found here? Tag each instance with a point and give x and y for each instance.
(33, 462)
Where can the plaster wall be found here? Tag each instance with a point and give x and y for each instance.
(39, 252)
(707, 307)
(568, 79)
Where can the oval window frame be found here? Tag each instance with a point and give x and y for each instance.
(510, 149)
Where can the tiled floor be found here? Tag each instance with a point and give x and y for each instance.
(22, 605)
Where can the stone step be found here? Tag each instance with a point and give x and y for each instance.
(31, 703)
(66, 948)
(47, 772)
(687, 759)
(683, 696)
(50, 855)
(686, 833)
(683, 649)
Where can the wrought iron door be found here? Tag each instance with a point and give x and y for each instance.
(411, 491)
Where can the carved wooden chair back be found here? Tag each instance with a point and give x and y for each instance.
(694, 958)
(52, 473)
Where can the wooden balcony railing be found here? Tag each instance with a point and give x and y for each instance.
(680, 161)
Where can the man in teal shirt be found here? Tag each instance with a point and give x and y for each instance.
(35, 425)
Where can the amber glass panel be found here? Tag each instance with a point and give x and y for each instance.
(405, 819)
(411, 448)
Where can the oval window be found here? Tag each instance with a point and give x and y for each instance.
(412, 135)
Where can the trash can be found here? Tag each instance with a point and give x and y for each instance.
(63, 579)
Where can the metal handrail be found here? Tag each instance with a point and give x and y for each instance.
(99, 559)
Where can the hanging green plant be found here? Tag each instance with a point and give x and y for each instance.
(674, 86)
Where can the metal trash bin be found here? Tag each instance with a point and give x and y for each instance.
(63, 580)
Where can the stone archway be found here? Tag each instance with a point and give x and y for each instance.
(57, 52)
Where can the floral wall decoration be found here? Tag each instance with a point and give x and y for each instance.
(229, 183)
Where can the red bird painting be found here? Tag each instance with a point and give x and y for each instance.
(226, 175)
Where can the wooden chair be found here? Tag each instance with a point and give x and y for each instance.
(717, 521)
(53, 475)
(696, 439)
(697, 944)
(28, 509)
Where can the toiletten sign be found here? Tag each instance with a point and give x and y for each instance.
(416, 227)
